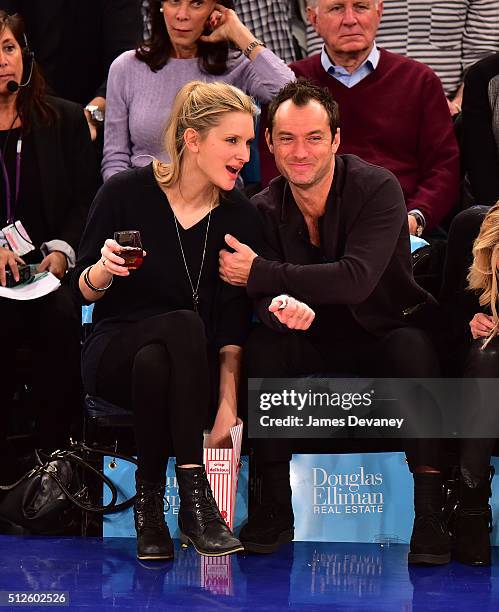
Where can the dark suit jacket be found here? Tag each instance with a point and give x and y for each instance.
(365, 246)
(68, 171)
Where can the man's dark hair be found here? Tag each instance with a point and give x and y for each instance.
(300, 92)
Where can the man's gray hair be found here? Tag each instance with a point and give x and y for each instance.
(314, 3)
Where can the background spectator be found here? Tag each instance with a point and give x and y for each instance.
(45, 147)
(448, 36)
(393, 111)
(143, 84)
(75, 42)
(480, 130)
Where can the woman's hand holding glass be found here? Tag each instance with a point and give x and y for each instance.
(122, 254)
(111, 260)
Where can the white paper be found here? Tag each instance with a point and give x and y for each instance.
(41, 285)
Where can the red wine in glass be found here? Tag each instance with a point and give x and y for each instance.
(131, 248)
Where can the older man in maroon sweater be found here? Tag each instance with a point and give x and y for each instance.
(393, 109)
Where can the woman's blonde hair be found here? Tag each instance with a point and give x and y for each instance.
(199, 106)
(482, 276)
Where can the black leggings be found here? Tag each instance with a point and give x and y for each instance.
(158, 368)
(402, 353)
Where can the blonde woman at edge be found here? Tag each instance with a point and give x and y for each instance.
(473, 518)
(166, 340)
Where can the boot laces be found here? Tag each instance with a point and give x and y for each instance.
(206, 507)
(151, 506)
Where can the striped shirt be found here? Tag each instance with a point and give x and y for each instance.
(314, 41)
(448, 36)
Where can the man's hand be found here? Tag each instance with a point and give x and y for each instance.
(454, 107)
(457, 101)
(234, 268)
(481, 325)
(56, 263)
(291, 312)
(413, 224)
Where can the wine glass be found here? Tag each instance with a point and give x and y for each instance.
(131, 248)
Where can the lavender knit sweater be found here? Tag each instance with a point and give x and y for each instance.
(139, 101)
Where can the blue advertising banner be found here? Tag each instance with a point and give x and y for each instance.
(359, 498)
(352, 498)
(122, 473)
(336, 498)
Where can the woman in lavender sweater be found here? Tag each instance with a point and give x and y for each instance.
(190, 40)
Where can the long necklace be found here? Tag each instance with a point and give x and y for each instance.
(194, 289)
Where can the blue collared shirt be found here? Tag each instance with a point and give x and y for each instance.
(350, 79)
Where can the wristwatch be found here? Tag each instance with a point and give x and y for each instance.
(96, 115)
(419, 220)
(253, 45)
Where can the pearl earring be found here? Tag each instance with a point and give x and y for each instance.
(160, 9)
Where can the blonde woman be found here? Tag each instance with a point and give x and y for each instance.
(166, 337)
(483, 277)
(473, 517)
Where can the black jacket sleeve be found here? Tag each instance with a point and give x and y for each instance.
(83, 175)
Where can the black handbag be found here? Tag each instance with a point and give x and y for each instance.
(50, 498)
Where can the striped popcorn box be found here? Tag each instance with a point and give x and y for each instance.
(222, 469)
(216, 574)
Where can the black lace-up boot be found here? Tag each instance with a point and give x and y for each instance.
(153, 537)
(430, 540)
(271, 524)
(199, 518)
(472, 520)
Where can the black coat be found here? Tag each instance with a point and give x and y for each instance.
(365, 246)
(68, 171)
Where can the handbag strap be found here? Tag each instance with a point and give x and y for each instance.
(77, 498)
(104, 452)
(73, 457)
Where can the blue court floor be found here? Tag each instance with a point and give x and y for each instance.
(104, 575)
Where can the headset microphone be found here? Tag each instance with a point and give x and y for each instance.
(13, 86)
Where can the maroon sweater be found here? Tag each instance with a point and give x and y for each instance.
(397, 118)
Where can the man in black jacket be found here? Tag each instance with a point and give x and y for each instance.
(338, 243)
